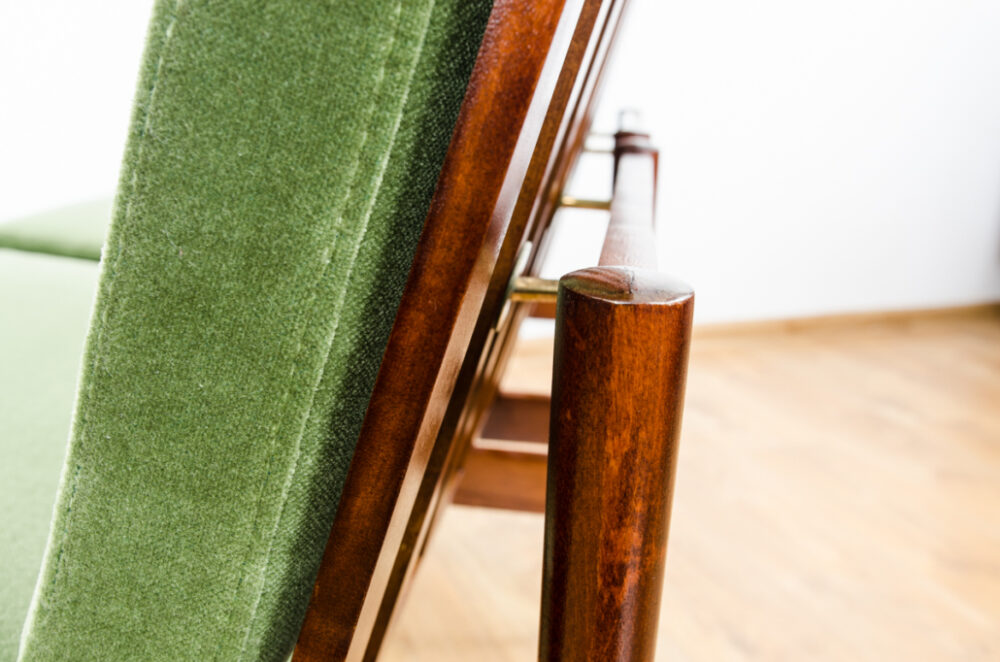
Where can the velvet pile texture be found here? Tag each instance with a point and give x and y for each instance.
(280, 164)
(73, 231)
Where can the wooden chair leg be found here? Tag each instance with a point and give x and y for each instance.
(622, 338)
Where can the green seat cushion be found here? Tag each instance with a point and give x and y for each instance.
(280, 164)
(44, 309)
(74, 231)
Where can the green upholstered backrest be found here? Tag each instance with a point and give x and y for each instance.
(281, 161)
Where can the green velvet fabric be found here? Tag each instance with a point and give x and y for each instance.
(74, 231)
(280, 164)
(44, 309)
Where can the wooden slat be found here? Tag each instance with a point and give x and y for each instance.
(504, 478)
(518, 417)
(630, 240)
(540, 310)
(585, 62)
(555, 131)
(496, 134)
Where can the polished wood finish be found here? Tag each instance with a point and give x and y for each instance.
(543, 311)
(585, 60)
(838, 498)
(630, 240)
(519, 417)
(456, 258)
(622, 338)
(558, 122)
(504, 475)
(520, 129)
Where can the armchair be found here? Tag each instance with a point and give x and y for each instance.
(323, 242)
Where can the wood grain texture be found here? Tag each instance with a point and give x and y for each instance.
(560, 142)
(569, 122)
(518, 417)
(455, 259)
(521, 126)
(838, 500)
(487, 478)
(622, 338)
(553, 134)
(510, 476)
(630, 239)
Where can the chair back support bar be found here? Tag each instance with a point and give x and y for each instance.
(512, 120)
(581, 79)
(553, 134)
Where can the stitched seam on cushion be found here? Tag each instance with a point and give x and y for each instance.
(113, 267)
(314, 287)
(380, 175)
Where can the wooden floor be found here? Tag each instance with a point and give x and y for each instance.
(838, 498)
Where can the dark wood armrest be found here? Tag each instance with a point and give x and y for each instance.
(622, 338)
(621, 347)
(631, 240)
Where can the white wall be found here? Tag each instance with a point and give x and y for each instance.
(67, 74)
(816, 156)
(821, 157)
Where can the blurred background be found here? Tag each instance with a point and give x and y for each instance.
(830, 185)
(817, 158)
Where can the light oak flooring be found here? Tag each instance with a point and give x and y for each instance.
(838, 498)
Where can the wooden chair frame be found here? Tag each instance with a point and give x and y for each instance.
(621, 349)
